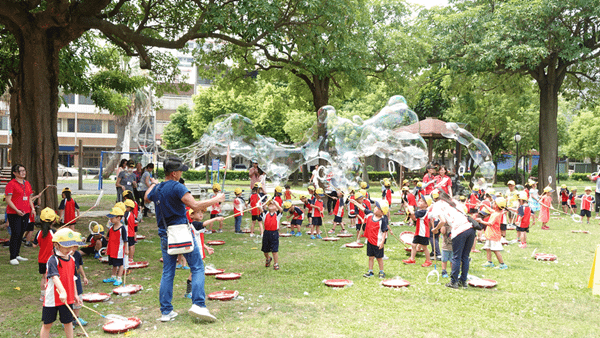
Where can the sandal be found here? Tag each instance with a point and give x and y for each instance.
(268, 262)
(276, 266)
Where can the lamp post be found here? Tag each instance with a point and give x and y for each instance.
(517, 139)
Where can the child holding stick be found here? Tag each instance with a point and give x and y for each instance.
(493, 234)
(376, 228)
(545, 205)
(117, 247)
(270, 240)
(317, 219)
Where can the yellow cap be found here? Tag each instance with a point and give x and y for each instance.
(475, 188)
(310, 188)
(116, 212)
(573, 188)
(237, 191)
(462, 198)
(511, 182)
(549, 189)
(523, 196)
(287, 205)
(278, 188)
(420, 184)
(47, 215)
(216, 186)
(98, 230)
(66, 189)
(257, 185)
(67, 237)
(363, 185)
(302, 196)
(531, 182)
(319, 191)
(435, 194)
(405, 188)
(190, 212)
(416, 179)
(404, 181)
(500, 202)
(384, 207)
(386, 182)
(358, 195)
(490, 191)
(129, 203)
(588, 188)
(121, 206)
(127, 193)
(429, 200)
(564, 186)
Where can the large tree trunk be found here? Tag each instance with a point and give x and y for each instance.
(33, 112)
(548, 137)
(320, 91)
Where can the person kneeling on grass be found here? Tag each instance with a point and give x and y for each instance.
(421, 238)
(270, 240)
(493, 235)
(376, 228)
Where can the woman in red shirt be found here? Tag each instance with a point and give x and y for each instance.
(19, 206)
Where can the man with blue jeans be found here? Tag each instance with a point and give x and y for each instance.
(170, 199)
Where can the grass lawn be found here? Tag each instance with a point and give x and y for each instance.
(532, 299)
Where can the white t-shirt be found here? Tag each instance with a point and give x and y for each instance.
(456, 219)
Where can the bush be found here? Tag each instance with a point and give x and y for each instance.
(535, 171)
(509, 174)
(195, 175)
(580, 177)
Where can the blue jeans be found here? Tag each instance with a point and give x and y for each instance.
(238, 223)
(434, 241)
(461, 249)
(194, 260)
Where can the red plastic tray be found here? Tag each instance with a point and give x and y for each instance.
(395, 283)
(223, 295)
(407, 237)
(215, 242)
(138, 265)
(120, 326)
(354, 245)
(285, 234)
(337, 283)
(228, 276)
(330, 239)
(95, 297)
(140, 237)
(483, 283)
(545, 257)
(129, 288)
(212, 272)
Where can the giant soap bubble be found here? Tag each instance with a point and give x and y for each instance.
(340, 141)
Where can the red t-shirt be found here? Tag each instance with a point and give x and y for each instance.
(388, 196)
(65, 270)
(116, 242)
(254, 198)
(21, 193)
(298, 214)
(338, 210)
(422, 224)
(271, 223)
(45, 245)
(410, 199)
(317, 212)
(444, 183)
(278, 200)
(586, 202)
(130, 220)
(288, 194)
(524, 213)
(426, 179)
(492, 232)
(361, 214)
(375, 229)
(69, 207)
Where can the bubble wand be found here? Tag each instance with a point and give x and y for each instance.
(392, 170)
(226, 166)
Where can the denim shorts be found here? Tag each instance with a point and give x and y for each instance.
(447, 255)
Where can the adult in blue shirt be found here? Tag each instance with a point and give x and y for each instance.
(170, 199)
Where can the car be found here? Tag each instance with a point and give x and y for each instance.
(66, 171)
(240, 167)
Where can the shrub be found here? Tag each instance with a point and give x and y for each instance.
(509, 174)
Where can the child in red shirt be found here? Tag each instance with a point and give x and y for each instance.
(43, 239)
(129, 217)
(117, 247)
(216, 209)
(523, 219)
(376, 228)
(68, 208)
(60, 292)
(317, 219)
(338, 212)
(270, 240)
(256, 209)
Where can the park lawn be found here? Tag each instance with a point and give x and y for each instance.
(532, 298)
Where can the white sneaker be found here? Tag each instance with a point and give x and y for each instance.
(220, 230)
(385, 257)
(22, 259)
(251, 235)
(168, 317)
(208, 232)
(14, 262)
(201, 313)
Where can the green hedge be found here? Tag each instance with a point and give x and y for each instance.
(195, 175)
(580, 177)
(509, 174)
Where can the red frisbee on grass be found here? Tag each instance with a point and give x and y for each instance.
(223, 295)
(215, 242)
(127, 289)
(580, 231)
(545, 257)
(409, 250)
(285, 234)
(330, 239)
(95, 297)
(354, 245)
(140, 237)
(483, 283)
(120, 326)
(103, 259)
(212, 271)
(138, 265)
(245, 231)
(395, 283)
(407, 237)
(228, 276)
(286, 223)
(4, 240)
(344, 235)
(338, 283)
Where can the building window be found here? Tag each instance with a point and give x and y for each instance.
(111, 127)
(59, 125)
(69, 98)
(70, 125)
(89, 126)
(4, 121)
(85, 100)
